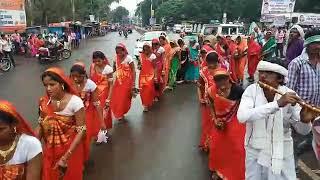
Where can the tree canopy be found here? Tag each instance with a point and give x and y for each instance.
(206, 10)
(119, 14)
(42, 12)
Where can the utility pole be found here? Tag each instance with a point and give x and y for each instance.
(73, 10)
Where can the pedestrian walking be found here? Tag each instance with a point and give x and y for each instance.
(147, 77)
(184, 62)
(61, 127)
(280, 39)
(295, 43)
(124, 87)
(192, 72)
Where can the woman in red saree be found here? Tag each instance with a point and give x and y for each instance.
(147, 77)
(167, 60)
(124, 84)
(227, 154)
(87, 91)
(206, 81)
(224, 51)
(159, 52)
(254, 50)
(101, 73)
(21, 151)
(62, 127)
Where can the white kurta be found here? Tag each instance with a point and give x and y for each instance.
(254, 107)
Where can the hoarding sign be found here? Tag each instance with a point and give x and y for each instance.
(12, 15)
(277, 6)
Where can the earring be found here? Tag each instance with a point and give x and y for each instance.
(15, 130)
(62, 87)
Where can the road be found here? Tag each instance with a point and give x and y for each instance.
(158, 145)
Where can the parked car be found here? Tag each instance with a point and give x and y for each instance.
(188, 28)
(146, 37)
(177, 28)
(156, 27)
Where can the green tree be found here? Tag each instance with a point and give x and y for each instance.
(42, 12)
(175, 11)
(119, 14)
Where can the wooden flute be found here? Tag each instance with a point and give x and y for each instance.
(302, 103)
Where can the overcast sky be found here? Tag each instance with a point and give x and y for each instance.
(131, 5)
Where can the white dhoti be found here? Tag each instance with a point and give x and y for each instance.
(255, 171)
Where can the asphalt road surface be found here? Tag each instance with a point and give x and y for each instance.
(158, 145)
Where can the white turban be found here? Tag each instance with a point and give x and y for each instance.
(272, 67)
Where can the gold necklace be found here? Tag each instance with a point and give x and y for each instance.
(59, 102)
(5, 153)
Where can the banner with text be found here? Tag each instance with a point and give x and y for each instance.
(12, 16)
(277, 6)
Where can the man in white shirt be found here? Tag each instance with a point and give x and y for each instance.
(5, 49)
(268, 117)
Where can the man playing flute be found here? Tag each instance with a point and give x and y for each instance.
(268, 117)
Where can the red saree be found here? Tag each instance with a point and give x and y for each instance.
(254, 50)
(206, 118)
(146, 81)
(122, 89)
(58, 132)
(237, 66)
(103, 91)
(18, 171)
(227, 154)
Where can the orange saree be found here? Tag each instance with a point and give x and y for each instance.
(167, 63)
(146, 81)
(58, 133)
(227, 154)
(122, 90)
(103, 90)
(238, 65)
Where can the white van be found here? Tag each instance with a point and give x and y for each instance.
(233, 30)
(177, 28)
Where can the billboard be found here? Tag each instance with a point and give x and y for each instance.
(277, 6)
(308, 19)
(12, 15)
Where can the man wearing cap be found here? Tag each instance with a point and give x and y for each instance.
(304, 78)
(269, 117)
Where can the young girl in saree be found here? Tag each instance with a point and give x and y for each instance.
(88, 92)
(21, 151)
(101, 73)
(62, 127)
(147, 77)
(124, 84)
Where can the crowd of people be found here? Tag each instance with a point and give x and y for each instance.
(29, 44)
(246, 132)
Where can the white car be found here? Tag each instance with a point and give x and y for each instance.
(177, 28)
(188, 29)
(146, 37)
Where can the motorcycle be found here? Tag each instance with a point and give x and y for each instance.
(125, 33)
(5, 63)
(53, 54)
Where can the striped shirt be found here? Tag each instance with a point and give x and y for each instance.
(304, 78)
